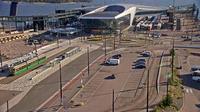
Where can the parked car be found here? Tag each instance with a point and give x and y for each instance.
(146, 53)
(117, 56)
(140, 60)
(140, 66)
(196, 75)
(113, 61)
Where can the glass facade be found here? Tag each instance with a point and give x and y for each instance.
(123, 22)
(98, 25)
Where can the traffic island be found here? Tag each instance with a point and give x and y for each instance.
(173, 101)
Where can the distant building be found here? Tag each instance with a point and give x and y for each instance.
(116, 17)
(49, 1)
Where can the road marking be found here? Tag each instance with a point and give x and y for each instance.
(187, 91)
(191, 91)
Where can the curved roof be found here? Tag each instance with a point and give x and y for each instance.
(115, 11)
(113, 8)
(109, 11)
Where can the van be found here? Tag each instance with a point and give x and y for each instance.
(112, 61)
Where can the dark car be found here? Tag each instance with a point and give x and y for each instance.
(140, 60)
(117, 56)
(146, 53)
(140, 66)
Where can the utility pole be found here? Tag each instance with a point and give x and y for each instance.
(1, 59)
(113, 38)
(36, 52)
(57, 39)
(69, 39)
(61, 92)
(105, 53)
(120, 35)
(147, 109)
(35, 49)
(88, 58)
(113, 100)
(172, 53)
(7, 106)
(167, 85)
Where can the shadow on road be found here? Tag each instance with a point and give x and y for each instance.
(110, 77)
(187, 81)
(197, 105)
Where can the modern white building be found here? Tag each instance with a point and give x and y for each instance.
(115, 16)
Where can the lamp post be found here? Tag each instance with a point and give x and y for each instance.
(36, 52)
(168, 76)
(57, 39)
(147, 108)
(88, 61)
(172, 54)
(113, 100)
(7, 106)
(1, 58)
(105, 52)
(60, 76)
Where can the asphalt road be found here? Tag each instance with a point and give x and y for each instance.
(50, 85)
(191, 87)
(129, 86)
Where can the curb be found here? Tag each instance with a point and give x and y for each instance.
(158, 75)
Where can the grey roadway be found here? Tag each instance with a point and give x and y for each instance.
(192, 93)
(46, 88)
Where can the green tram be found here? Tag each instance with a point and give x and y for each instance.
(27, 67)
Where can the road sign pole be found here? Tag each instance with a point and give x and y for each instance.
(105, 47)
(113, 100)
(88, 60)
(167, 94)
(7, 106)
(147, 109)
(1, 58)
(61, 92)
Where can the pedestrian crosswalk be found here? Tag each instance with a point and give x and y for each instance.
(188, 90)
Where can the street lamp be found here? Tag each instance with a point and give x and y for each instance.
(105, 53)
(172, 54)
(88, 61)
(57, 38)
(168, 76)
(113, 100)
(60, 76)
(147, 108)
(1, 58)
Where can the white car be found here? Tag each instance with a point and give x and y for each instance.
(196, 75)
(112, 61)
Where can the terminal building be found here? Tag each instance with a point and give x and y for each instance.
(116, 17)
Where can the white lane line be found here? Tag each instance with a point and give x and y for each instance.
(191, 91)
(187, 91)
